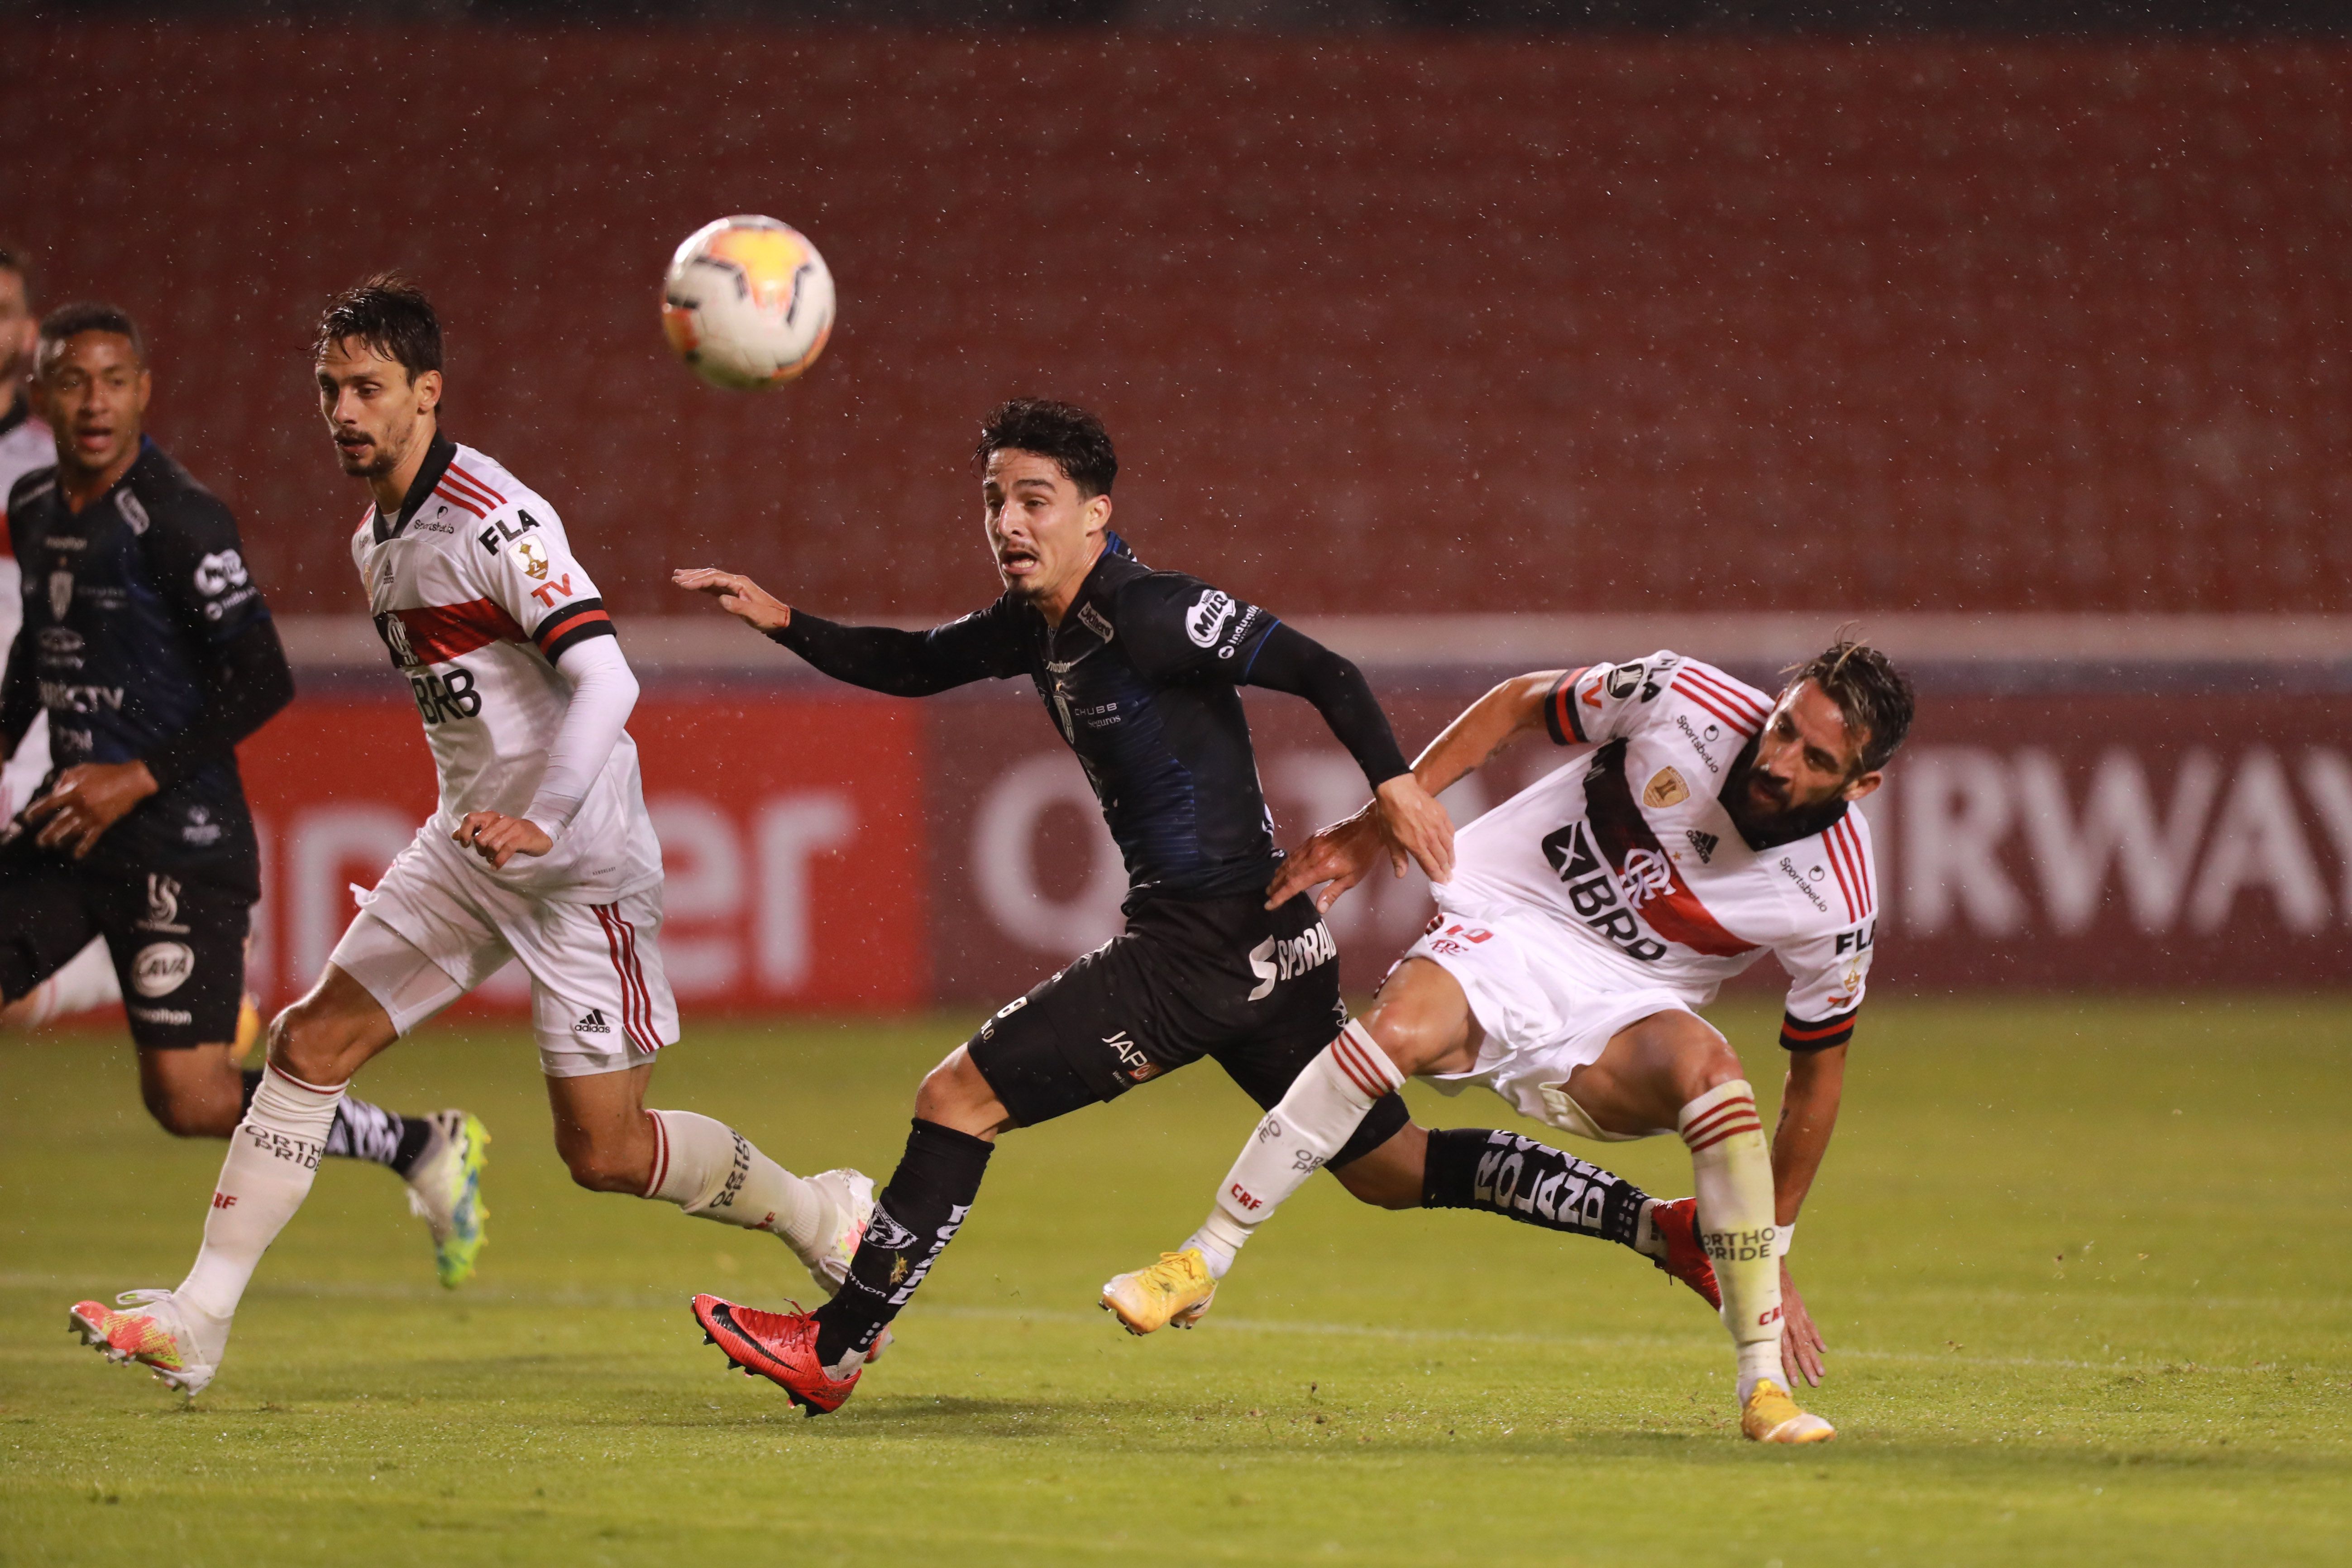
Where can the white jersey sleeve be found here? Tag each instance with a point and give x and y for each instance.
(1604, 702)
(1829, 968)
(525, 567)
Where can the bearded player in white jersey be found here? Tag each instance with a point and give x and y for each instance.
(26, 444)
(1697, 823)
(539, 851)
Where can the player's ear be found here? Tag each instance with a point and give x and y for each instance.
(1857, 788)
(1098, 513)
(146, 388)
(428, 391)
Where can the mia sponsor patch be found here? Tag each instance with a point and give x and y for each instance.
(162, 968)
(882, 1229)
(1665, 788)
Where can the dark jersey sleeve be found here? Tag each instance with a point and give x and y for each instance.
(199, 567)
(20, 697)
(1178, 627)
(1289, 661)
(982, 646)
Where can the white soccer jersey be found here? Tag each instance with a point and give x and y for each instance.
(1628, 848)
(477, 594)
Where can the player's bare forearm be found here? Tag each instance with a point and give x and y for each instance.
(1809, 1111)
(1508, 711)
(738, 596)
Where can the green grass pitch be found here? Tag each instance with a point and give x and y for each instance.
(2083, 1266)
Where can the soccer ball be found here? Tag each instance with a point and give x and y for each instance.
(747, 303)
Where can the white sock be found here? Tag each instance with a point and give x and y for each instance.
(1326, 1103)
(86, 981)
(273, 1158)
(712, 1172)
(1733, 1169)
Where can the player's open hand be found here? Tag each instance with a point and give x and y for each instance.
(86, 800)
(499, 838)
(1415, 824)
(738, 596)
(1338, 854)
(1800, 1341)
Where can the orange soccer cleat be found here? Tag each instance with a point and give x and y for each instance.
(780, 1347)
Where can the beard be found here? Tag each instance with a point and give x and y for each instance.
(1768, 822)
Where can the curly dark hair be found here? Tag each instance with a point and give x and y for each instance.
(389, 314)
(1872, 696)
(1073, 438)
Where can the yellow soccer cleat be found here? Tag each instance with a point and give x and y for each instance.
(150, 1328)
(445, 1191)
(248, 1030)
(1771, 1416)
(1173, 1293)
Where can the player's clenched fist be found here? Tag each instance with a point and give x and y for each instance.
(499, 838)
(738, 596)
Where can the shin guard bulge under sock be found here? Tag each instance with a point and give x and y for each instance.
(1520, 1179)
(364, 1132)
(913, 1219)
(712, 1172)
(273, 1158)
(1732, 1168)
(1326, 1103)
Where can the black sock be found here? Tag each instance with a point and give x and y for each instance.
(915, 1217)
(1472, 1168)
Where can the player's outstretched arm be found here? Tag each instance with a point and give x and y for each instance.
(1342, 854)
(1809, 1107)
(879, 658)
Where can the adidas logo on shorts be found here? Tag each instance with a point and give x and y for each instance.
(593, 1023)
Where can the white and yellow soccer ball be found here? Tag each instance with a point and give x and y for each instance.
(747, 303)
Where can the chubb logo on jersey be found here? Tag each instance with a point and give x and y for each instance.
(1205, 621)
(1275, 960)
(1594, 895)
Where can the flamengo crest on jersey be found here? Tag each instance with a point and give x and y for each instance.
(1629, 846)
(476, 594)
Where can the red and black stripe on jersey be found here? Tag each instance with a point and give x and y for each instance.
(572, 624)
(1559, 710)
(1818, 1034)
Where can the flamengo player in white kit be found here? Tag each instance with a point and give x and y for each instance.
(540, 851)
(1698, 825)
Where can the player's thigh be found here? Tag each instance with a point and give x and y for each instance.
(1651, 1068)
(422, 939)
(48, 914)
(178, 948)
(600, 999)
(1073, 1040)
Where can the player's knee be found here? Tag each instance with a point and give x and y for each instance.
(177, 1113)
(603, 1169)
(954, 1094)
(1702, 1058)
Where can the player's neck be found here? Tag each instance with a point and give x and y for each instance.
(391, 487)
(80, 486)
(1056, 604)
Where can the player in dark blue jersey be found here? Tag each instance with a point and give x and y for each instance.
(1138, 669)
(150, 651)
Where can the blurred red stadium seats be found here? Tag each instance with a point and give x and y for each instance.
(1382, 324)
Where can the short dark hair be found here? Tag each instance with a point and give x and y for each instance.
(1870, 694)
(1073, 438)
(16, 259)
(389, 314)
(68, 322)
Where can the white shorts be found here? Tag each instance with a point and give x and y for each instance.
(433, 930)
(1547, 1005)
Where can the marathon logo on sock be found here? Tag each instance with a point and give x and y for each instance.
(1742, 1245)
(906, 1291)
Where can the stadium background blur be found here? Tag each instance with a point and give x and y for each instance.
(1470, 348)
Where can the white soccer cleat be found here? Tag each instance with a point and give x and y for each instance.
(445, 1191)
(851, 1194)
(150, 1328)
